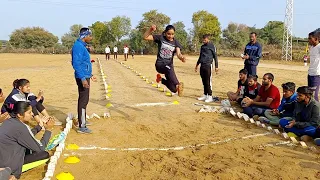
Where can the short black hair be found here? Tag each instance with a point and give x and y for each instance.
(254, 33)
(20, 107)
(84, 29)
(270, 76)
(289, 86)
(206, 36)
(315, 34)
(254, 77)
(243, 71)
(305, 90)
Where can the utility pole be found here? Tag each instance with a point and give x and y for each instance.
(287, 34)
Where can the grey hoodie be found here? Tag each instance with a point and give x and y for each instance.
(15, 138)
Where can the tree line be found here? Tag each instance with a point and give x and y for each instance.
(118, 31)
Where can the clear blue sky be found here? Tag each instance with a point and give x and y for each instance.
(57, 15)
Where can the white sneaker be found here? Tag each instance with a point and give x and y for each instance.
(209, 99)
(202, 98)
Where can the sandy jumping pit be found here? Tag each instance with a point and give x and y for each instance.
(181, 144)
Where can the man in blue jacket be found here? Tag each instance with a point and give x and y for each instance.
(286, 108)
(252, 55)
(83, 73)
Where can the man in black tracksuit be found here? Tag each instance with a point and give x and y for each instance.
(252, 55)
(207, 54)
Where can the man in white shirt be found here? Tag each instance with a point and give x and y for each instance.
(107, 50)
(314, 68)
(126, 52)
(115, 52)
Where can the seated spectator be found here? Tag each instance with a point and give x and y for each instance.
(252, 90)
(16, 138)
(3, 116)
(305, 115)
(21, 92)
(268, 98)
(286, 108)
(242, 83)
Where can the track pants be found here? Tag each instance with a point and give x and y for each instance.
(115, 55)
(171, 80)
(309, 130)
(38, 108)
(314, 82)
(252, 70)
(206, 76)
(107, 56)
(83, 101)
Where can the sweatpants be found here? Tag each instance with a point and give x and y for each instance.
(171, 80)
(274, 120)
(309, 130)
(115, 55)
(252, 70)
(83, 101)
(126, 55)
(206, 76)
(314, 82)
(107, 56)
(29, 158)
(254, 110)
(38, 108)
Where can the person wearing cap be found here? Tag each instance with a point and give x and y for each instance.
(306, 116)
(83, 73)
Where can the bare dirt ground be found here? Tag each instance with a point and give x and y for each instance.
(232, 149)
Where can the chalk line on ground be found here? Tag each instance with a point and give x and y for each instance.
(153, 104)
(178, 148)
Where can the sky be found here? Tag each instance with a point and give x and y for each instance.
(57, 16)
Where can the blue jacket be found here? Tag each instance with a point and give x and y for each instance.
(81, 62)
(16, 96)
(286, 107)
(255, 53)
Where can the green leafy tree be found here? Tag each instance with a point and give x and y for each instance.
(235, 36)
(181, 34)
(32, 37)
(69, 38)
(272, 32)
(120, 26)
(206, 23)
(136, 41)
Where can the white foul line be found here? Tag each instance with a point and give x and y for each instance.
(179, 148)
(153, 104)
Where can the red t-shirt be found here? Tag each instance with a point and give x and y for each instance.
(273, 92)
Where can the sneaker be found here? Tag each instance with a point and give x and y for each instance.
(317, 141)
(255, 117)
(180, 89)
(84, 130)
(264, 120)
(202, 98)
(159, 78)
(209, 99)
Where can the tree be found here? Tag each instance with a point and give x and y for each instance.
(272, 32)
(32, 37)
(136, 41)
(206, 23)
(99, 31)
(235, 36)
(120, 27)
(69, 38)
(181, 34)
(150, 18)
(153, 17)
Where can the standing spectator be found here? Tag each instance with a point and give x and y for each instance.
(107, 50)
(83, 73)
(126, 52)
(115, 52)
(314, 68)
(252, 55)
